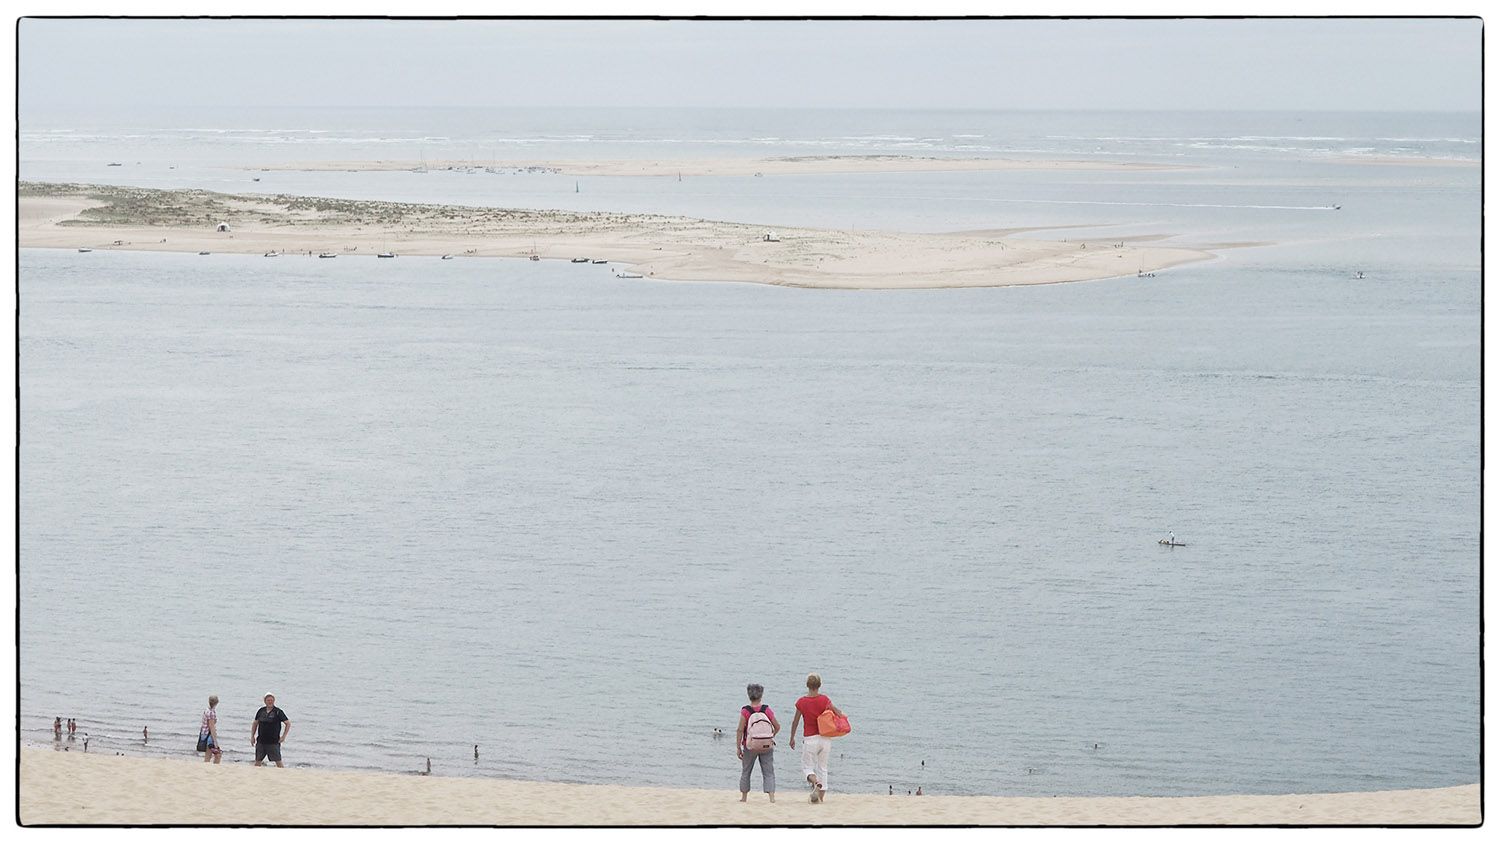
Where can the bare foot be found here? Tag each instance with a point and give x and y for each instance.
(773, 798)
(743, 796)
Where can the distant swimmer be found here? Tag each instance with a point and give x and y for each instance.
(57, 728)
(476, 753)
(145, 735)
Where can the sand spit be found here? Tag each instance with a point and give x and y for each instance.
(775, 166)
(75, 788)
(1407, 161)
(99, 217)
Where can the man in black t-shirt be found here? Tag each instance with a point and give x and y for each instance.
(268, 731)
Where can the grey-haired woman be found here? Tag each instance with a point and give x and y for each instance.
(755, 739)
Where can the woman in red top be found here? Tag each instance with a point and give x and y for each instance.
(815, 747)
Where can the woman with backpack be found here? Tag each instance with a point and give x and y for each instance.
(756, 739)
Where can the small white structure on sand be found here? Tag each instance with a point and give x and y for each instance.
(222, 227)
(771, 237)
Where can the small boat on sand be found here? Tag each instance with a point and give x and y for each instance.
(327, 255)
(580, 261)
(630, 275)
(85, 250)
(202, 253)
(385, 254)
(447, 257)
(600, 261)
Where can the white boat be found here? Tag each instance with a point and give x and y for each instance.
(385, 255)
(270, 255)
(600, 261)
(326, 255)
(631, 275)
(85, 250)
(580, 261)
(447, 257)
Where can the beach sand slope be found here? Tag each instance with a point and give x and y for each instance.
(77, 788)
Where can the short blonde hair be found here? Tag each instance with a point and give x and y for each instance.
(814, 682)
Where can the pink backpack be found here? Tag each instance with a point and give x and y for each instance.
(759, 731)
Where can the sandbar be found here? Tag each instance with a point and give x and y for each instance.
(102, 217)
(78, 788)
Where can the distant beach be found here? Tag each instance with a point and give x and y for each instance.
(75, 788)
(769, 166)
(81, 216)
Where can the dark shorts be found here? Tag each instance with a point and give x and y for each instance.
(268, 750)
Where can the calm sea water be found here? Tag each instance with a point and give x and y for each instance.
(532, 507)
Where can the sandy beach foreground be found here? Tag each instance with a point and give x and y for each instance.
(99, 217)
(77, 788)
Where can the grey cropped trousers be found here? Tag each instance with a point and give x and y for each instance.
(767, 770)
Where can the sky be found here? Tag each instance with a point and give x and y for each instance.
(1276, 64)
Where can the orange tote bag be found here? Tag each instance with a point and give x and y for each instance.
(832, 725)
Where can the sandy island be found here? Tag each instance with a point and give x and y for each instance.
(78, 788)
(101, 217)
(786, 165)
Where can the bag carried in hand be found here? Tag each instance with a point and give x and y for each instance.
(832, 725)
(759, 731)
(202, 742)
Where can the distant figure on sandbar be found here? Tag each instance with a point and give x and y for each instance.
(269, 721)
(145, 735)
(815, 747)
(755, 739)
